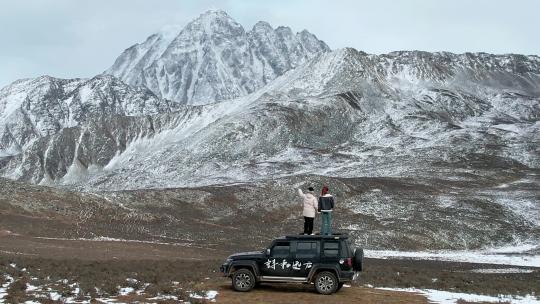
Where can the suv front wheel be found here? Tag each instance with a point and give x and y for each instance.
(243, 280)
(326, 283)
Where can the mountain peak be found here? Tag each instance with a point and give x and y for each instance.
(262, 25)
(212, 16)
(214, 13)
(210, 23)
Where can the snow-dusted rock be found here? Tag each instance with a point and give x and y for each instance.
(45, 121)
(213, 59)
(375, 115)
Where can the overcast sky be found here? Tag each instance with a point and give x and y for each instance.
(81, 38)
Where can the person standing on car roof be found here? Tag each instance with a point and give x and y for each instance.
(326, 205)
(310, 207)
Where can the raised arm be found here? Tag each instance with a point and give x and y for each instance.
(300, 193)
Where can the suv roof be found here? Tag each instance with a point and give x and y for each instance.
(338, 236)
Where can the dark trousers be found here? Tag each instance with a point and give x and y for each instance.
(308, 225)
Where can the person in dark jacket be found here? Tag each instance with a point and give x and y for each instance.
(326, 205)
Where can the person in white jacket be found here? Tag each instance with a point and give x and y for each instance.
(310, 208)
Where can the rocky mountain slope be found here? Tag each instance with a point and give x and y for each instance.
(362, 114)
(213, 59)
(46, 123)
(379, 213)
(351, 114)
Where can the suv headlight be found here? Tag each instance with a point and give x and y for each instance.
(228, 261)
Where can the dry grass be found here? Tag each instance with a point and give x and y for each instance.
(16, 293)
(104, 278)
(447, 276)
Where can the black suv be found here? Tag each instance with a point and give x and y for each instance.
(326, 261)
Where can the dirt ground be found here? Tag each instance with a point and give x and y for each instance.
(48, 248)
(298, 293)
(108, 264)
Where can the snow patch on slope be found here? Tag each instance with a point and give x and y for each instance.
(447, 297)
(518, 255)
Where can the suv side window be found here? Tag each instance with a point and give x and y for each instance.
(346, 249)
(331, 249)
(306, 249)
(281, 250)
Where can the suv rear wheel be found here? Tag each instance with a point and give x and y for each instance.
(243, 280)
(358, 259)
(326, 283)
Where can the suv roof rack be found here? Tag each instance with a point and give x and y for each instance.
(336, 236)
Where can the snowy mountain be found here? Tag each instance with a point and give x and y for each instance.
(213, 59)
(363, 114)
(41, 122)
(367, 115)
(446, 141)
